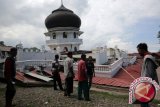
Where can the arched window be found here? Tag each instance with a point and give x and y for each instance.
(54, 35)
(74, 34)
(75, 49)
(64, 35)
(65, 49)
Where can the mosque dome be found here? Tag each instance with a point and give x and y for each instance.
(62, 17)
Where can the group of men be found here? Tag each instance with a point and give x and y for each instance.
(148, 70)
(85, 73)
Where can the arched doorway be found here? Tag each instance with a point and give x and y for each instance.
(65, 49)
(75, 49)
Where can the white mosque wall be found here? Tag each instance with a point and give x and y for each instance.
(110, 53)
(101, 56)
(62, 48)
(70, 42)
(118, 53)
(21, 56)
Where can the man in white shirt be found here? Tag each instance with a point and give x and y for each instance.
(69, 74)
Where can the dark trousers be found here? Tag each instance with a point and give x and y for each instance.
(68, 86)
(145, 105)
(83, 88)
(90, 80)
(10, 93)
(57, 79)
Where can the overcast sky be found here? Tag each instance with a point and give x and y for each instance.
(124, 23)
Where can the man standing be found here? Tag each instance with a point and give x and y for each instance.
(56, 75)
(69, 74)
(82, 79)
(149, 65)
(10, 73)
(90, 70)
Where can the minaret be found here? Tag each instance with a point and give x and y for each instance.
(63, 30)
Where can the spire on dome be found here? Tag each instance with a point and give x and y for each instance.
(61, 2)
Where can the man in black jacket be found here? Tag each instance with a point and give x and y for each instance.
(56, 75)
(90, 70)
(10, 73)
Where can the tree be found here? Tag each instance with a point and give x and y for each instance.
(2, 43)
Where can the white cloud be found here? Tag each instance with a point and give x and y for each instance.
(104, 22)
(108, 20)
(154, 47)
(29, 35)
(121, 43)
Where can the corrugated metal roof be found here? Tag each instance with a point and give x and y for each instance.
(44, 78)
(121, 79)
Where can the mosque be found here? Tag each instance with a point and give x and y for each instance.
(63, 30)
(63, 35)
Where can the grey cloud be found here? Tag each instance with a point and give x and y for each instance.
(34, 15)
(15, 12)
(101, 20)
(7, 10)
(80, 6)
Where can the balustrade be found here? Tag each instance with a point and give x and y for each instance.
(112, 69)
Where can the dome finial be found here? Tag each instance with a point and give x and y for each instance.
(61, 2)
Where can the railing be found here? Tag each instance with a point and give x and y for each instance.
(98, 68)
(63, 41)
(102, 68)
(105, 70)
(117, 63)
(133, 60)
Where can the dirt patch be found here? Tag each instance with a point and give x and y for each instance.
(47, 97)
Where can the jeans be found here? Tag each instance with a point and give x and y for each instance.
(68, 86)
(10, 93)
(83, 88)
(90, 80)
(57, 79)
